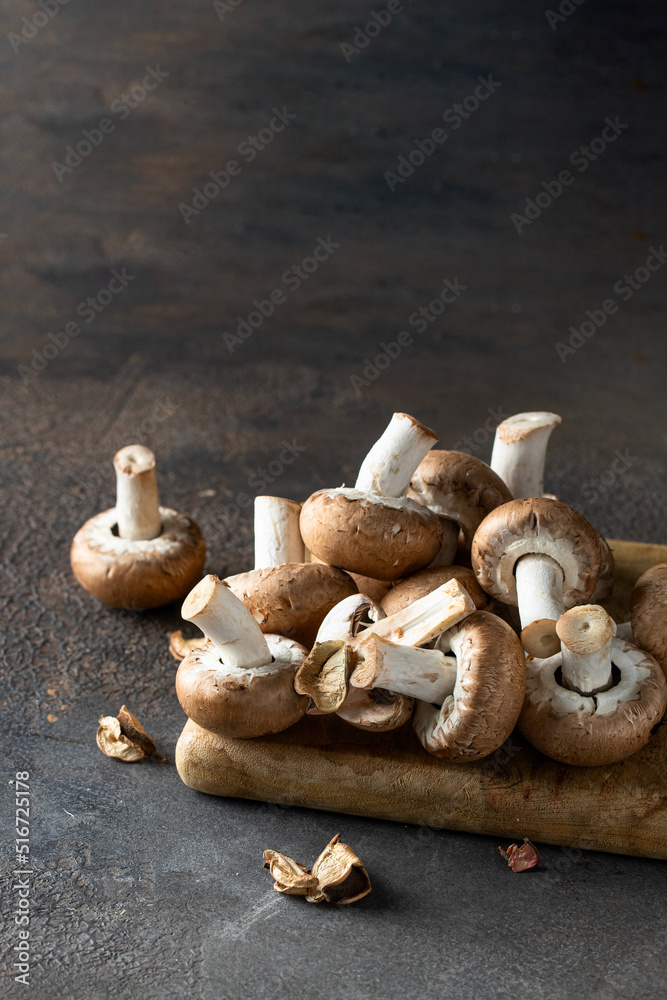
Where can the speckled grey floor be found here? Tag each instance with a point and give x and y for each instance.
(143, 889)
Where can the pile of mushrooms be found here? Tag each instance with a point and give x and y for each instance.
(475, 613)
(438, 593)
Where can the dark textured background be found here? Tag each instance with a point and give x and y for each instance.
(145, 889)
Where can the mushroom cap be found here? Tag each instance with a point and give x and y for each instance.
(488, 696)
(536, 526)
(377, 590)
(382, 537)
(606, 577)
(350, 617)
(138, 574)
(591, 730)
(648, 612)
(458, 486)
(292, 599)
(427, 580)
(376, 711)
(238, 703)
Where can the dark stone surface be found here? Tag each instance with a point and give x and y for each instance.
(143, 888)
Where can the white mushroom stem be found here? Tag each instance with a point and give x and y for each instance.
(277, 534)
(586, 634)
(426, 674)
(520, 450)
(137, 500)
(393, 459)
(226, 621)
(424, 619)
(539, 588)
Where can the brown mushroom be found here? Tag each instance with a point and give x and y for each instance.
(426, 580)
(376, 710)
(374, 529)
(377, 590)
(138, 555)
(474, 712)
(461, 490)
(241, 683)
(648, 611)
(541, 556)
(598, 700)
(285, 594)
(519, 452)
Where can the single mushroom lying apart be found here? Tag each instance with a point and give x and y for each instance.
(377, 710)
(241, 683)
(467, 703)
(405, 593)
(541, 556)
(285, 594)
(648, 613)
(373, 529)
(138, 554)
(520, 450)
(461, 490)
(597, 701)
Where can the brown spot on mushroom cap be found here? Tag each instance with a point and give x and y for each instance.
(386, 538)
(488, 697)
(293, 599)
(458, 486)
(577, 729)
(648, 611)
(138, 574)
(239, 703)
(536, 525)
(427, 580)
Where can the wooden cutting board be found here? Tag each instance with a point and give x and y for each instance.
(323, 763)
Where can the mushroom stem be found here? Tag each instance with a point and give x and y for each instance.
(393, 459)
(426, 674)
(226, 621)
(520, 449)
(586, 633)
(539, 588)
(277, 533)
(422, 620)
(137, 500)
